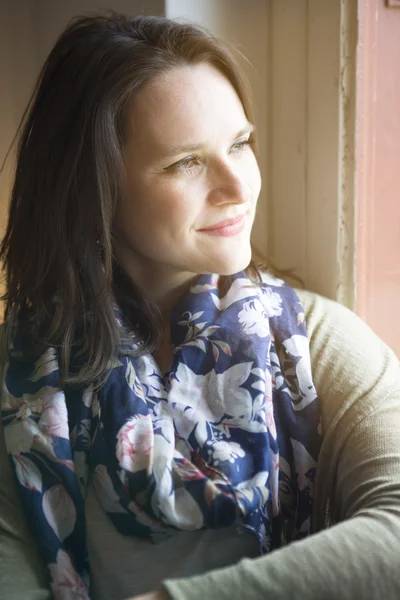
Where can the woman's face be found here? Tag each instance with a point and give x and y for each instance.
(189, 168)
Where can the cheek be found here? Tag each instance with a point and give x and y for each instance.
(167, 205)
(156, 208)
(254, 177)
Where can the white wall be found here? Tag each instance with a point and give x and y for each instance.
(304, 140)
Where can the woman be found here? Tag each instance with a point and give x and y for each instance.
(159, 402)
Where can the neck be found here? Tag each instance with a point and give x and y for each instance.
(168, 292)
(159, 283)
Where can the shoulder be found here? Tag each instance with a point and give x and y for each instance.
(334, 329)
(353, 369)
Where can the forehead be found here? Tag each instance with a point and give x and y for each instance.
(190, 104)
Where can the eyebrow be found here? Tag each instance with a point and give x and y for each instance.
(175, 150)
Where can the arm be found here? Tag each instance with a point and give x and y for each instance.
(358, 381)
(23, 575)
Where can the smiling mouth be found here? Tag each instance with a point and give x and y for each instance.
(226, 228)
(224, 223)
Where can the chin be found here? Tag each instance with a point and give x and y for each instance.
(232, 264)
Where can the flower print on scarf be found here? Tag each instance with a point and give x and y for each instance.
(84, 433)
(296, 346)
(66, 583)
(28, 473)
(187, 470)
(305, 465)
(31, 407)
(178, 507)
(46, 365)
(263, 405)
(226, 451)
(200, 335)
(286, 485)
(187, 420)
(181, 448)
(151, 378)
(28, 405)
(210, 286)
(254, 488)
(271, 280)
(81, 469)
(135, 444)
(87, 397)
(194, 392)
(162, 423)
(300, 318)
(54, 418)
(199, 447)
(240, 289)
(44, 415)
(133, 381)
(59, 510)
(253, 319)
(19, 436)
(272, 302)
(27, 436)
(95, 406)
(274, 481)
(182, 510)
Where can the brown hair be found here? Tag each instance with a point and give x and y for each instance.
(62, 279)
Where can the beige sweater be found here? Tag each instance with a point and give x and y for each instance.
(357, 487)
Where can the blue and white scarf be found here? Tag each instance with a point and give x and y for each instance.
(229, 436)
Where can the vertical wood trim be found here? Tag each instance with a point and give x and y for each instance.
(346, 288)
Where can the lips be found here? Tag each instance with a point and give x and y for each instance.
(224, 223)
(226, 228)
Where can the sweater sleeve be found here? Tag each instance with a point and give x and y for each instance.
(357, 379)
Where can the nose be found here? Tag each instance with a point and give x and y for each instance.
(227, 186)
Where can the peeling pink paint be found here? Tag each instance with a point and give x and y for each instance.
(378, 170)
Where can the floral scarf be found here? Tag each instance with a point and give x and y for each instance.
(230, 436)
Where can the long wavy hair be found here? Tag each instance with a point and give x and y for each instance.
(62, 279)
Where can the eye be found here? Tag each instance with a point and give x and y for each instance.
(241, 145)
(186, 165)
